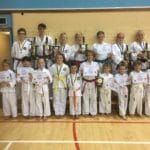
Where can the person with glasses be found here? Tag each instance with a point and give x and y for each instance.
(119, 50)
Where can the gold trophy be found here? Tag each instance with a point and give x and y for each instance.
(99, 81)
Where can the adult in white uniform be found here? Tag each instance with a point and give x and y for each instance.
(138, 47)
(20, 48)
(119, 50)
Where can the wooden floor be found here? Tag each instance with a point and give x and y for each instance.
(99, 133)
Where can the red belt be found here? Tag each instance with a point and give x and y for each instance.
(93, 80)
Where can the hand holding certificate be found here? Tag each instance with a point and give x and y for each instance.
(23, 72)
(38, 76)
(4, 78)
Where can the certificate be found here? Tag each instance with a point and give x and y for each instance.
(139, 78)
(4, 76)
(23, 72)
(112, 85)
(89, 71)
(38, 76)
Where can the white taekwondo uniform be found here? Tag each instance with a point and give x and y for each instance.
(59, 73)
(74, 83)
(27, 93)
(90, 72)
(9, 95)
(122, 80)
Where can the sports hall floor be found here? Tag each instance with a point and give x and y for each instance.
(85, 133)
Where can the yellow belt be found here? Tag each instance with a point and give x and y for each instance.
(59, 78)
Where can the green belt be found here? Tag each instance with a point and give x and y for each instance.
(101, 61)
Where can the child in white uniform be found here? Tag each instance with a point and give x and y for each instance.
(43, 43)
(137, 79)
(121, 78)
(74, 83)
(147, 101)
(7, 87)
(42, 91)
(105, 90)
(102, 49)
(64, 47)
(20, 48)
(24, 77)
(89, 71)
(59, 72)
(77, 53)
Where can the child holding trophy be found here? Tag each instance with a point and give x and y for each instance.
(59, 72)
(7, 87)
(27, 94)
(122, 80)
(138, 80)
(74, 83)
(41, 79)
(41, 45)
(89, 71)
(78, 49)
(105, 90)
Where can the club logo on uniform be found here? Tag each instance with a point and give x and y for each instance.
(78, 78)
(25, 48)
(64, 69)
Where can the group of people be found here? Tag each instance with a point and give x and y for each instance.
(48, 70)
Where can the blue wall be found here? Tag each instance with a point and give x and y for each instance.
(77, 4)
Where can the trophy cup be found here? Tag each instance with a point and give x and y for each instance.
(144, 56)
(83, 46)
(46, 48)
(125, 54)
(55, 48)
(33, 51)
(99, 81)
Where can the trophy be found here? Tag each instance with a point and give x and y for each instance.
(46, 47)
(145, 52)
(83, 46)
(55, 47)
(34, 51)
(125, 54)
(99, 81)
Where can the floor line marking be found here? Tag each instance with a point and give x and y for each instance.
(75, 136)
(8, 145)
(69, 121)
(72, 141)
